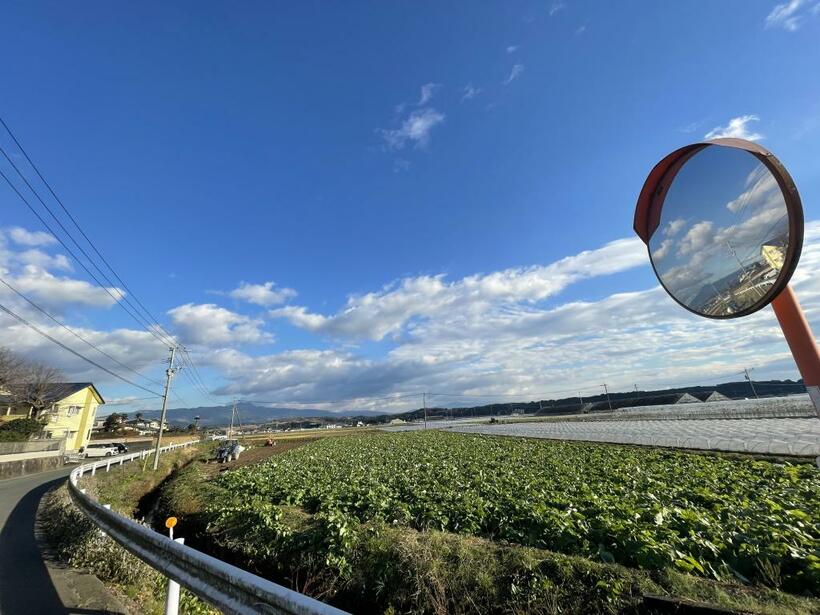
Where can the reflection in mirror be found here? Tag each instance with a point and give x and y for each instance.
(723, 233)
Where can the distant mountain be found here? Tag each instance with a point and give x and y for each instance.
(249, 413)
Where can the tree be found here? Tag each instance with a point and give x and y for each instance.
(28, 383)
(39, 388)
(138, 416)
(19, 430)
(11, 370)
(113, 421)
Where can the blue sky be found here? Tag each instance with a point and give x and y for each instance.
(411, 174)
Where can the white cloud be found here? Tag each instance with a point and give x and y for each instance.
(500, 347)
(513, 48)
(662, 251)
(211, 325)
(485, 334)
(428, 90)
(674, 227)
(137, 349)
(515, 73)
(25, 237)
(697, 238)
(738, 128)
(262, 294)
(470, 92)
(52, 290)
(762, 189)
(378, 314)
(790, 15)
(415, 129)
(556, 6)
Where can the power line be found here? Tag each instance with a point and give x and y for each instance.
(150, 323)
(75, 334)
(122, 297)
(77, 226)
(193, 375)
(74, 352)
(74, 256)
(195, 370)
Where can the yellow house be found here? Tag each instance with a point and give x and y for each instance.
(71, 408)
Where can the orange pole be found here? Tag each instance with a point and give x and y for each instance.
(801, 341)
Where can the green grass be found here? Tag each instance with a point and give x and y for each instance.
(123, 487)
(77, 542)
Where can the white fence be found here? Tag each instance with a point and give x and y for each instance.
(230, 589)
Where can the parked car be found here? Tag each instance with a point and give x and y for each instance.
(121, 448)
(100, 450)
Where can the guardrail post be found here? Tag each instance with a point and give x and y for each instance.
(107, 465)
(172, 599)
(93, 469)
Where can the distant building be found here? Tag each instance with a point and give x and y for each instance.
(70, 411)
(708, 396)
(145, 424)
(775, 256)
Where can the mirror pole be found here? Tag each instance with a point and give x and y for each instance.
(801, 342)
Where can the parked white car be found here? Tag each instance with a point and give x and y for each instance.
(100, 450)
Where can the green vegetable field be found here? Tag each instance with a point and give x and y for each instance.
(754, 521)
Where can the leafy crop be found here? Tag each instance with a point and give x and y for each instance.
(754, 521)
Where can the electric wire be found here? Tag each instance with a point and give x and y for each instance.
(143, 322)
(78, 227)
(74, 256)
(25, 322)
(145, 319)
(75, 334)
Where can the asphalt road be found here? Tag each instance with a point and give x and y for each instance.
(25, 584)
(28, 583)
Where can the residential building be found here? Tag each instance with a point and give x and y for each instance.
(69, 410)
(146, 424)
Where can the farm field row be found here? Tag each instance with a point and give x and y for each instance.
(753, 521)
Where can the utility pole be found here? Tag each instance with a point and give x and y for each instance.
(424, 405)
(606, 390)
(751, 384)
(169, 373)
(233, 413)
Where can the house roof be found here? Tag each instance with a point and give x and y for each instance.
(60, 390)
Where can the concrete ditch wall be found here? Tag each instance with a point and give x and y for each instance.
(29, 464)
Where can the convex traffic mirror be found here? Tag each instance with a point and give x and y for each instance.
(723, 224)
(724, 227)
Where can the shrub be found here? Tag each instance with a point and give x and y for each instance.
(19, 430)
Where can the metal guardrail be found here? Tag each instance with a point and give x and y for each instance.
(230, 589)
